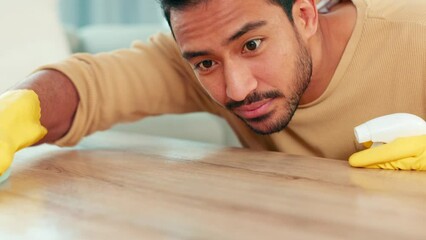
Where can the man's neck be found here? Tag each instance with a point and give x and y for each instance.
(327, 47)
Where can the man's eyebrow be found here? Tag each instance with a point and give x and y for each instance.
(245, 29)
(188, 55)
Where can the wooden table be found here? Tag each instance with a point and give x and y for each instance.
(120, 186)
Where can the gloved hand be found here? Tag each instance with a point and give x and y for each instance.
(20, 124)
(407, 153)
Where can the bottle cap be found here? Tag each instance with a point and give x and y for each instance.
(362, 133)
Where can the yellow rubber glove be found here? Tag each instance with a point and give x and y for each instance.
(408, 153)
(20, 125)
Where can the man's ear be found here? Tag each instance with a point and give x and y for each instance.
(305, 16)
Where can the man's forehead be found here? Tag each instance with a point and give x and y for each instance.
(208, 27)
(217, 13)
(208, 6)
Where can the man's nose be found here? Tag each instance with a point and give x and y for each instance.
(239, 81)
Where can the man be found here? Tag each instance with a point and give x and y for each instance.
(285, 77)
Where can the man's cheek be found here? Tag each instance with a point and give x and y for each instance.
(215, 88)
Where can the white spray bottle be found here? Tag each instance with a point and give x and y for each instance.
(389, 127)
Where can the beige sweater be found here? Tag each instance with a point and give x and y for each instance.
(382, 71)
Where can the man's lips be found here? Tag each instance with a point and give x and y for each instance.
(253, 110)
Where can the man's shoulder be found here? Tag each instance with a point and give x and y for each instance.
(397, 10)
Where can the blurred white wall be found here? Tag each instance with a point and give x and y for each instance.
(31, 35)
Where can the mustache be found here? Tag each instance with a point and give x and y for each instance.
(254, 97)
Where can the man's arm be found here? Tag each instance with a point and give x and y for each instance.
(39, 110)
(58, 101)
(124, 85)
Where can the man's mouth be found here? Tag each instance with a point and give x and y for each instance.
(254, 110)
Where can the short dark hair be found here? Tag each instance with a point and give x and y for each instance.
(168, 5)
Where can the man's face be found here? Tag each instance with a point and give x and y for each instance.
(248, 57)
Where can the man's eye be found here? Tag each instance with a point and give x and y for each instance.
(252, 45)
(205, 65)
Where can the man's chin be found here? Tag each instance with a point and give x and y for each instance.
(266, 126)
(264, 130)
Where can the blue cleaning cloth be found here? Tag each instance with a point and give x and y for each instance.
(5, 175)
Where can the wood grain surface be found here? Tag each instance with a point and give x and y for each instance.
(123, 186)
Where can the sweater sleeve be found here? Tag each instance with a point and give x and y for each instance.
(125, 85)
